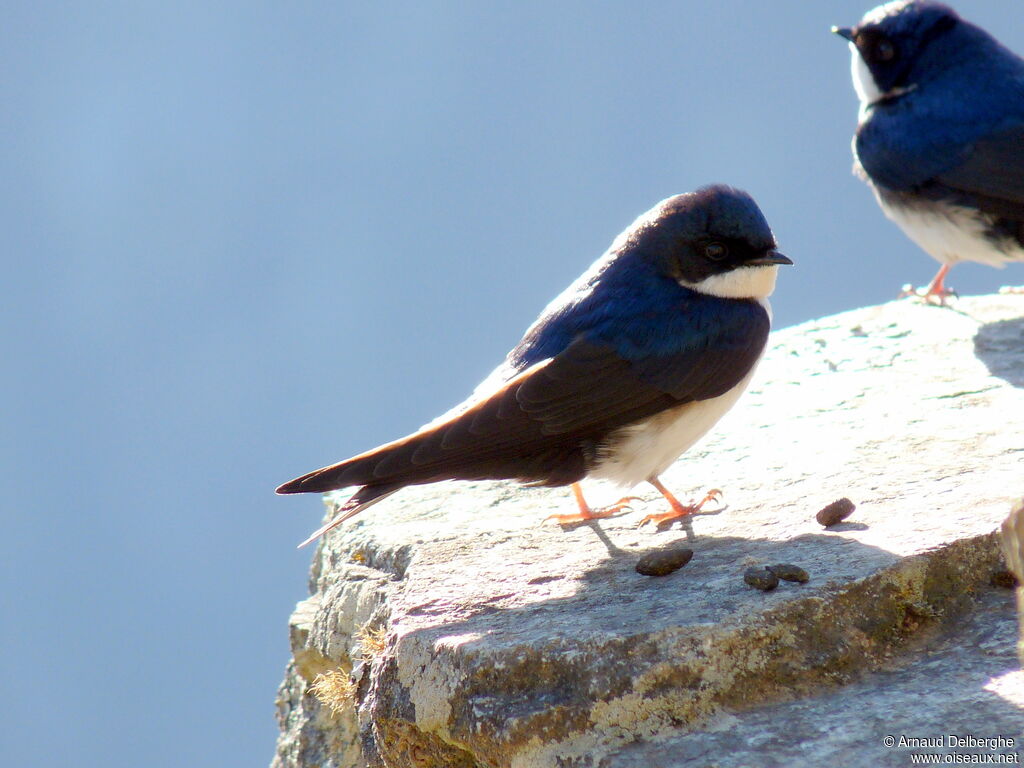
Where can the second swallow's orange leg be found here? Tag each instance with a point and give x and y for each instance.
(679, 510)
(936, 288)
(586, 513)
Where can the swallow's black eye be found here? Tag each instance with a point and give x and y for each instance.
(876, 48)
(885, 50)
(716, 251)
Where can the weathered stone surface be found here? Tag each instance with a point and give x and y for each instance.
(514, 643)
(1012, 535)
(962, 683)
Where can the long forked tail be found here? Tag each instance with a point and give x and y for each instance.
(365, 497)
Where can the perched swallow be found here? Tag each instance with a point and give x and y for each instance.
(621, 373)
(940, 137)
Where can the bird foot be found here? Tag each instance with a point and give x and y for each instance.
(930, 295)
(622, 505)
(680, 511)
(936, 292)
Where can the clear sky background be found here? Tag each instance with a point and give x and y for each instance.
(244, 239)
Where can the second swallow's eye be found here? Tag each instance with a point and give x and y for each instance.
(876, 48)
(885, 50)
(716, 251)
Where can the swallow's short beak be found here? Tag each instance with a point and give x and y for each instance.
(845, 32)
(772, 257)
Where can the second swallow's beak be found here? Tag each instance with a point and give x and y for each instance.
(844, 32)
(772, 257)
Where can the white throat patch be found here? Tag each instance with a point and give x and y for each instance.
(863, 81)
(740, 283)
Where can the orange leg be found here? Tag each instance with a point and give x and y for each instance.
(586, 513)
(936, 288)
(679, 510)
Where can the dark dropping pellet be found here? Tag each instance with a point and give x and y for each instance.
(761, 578)
(664, 561)
(790, 572)
(835, 512)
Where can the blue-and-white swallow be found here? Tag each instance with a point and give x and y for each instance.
(620, 374)
(940, 137)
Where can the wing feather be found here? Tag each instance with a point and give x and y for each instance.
(544, 424)
(990, 178)
(993, 168)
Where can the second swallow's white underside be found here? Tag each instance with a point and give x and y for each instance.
(949, 233)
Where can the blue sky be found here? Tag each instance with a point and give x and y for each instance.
(241, 240)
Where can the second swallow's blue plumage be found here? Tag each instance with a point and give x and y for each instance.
(621, 373)
(941, 131)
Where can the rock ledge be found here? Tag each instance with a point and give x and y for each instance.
(464, 632)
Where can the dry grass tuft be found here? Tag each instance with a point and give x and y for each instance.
(372, 641)
(334, 689)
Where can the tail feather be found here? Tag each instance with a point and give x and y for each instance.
(442, 450)
(358, 470)
(363, 498)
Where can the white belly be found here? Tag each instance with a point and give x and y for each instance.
(950, 234)
(647, 449)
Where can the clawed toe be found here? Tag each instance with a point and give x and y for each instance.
(680, 511)
(663, 518)
(586, 513)
(928, 295)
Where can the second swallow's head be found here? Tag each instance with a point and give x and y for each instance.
(897, 46)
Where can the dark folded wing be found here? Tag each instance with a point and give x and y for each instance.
(991, 178)
(544, 425)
